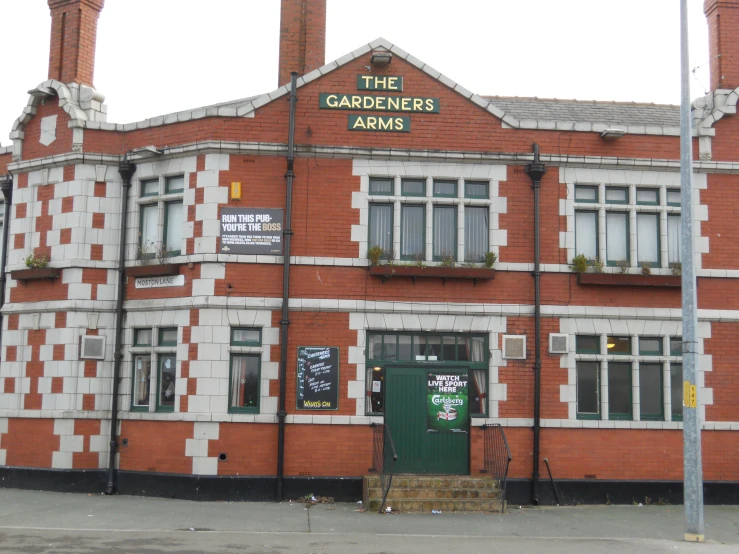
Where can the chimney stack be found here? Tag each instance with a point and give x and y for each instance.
(302, 37)
(73, 29)
(723, 42)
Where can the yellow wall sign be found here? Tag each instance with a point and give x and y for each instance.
(235, 191)
(690, 397)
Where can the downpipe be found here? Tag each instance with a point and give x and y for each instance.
(126, 170)
(536, 171)
(285, 320)
(6, 186)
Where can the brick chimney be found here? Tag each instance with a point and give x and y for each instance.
(302, 37)
(73, 29)
(723, 42)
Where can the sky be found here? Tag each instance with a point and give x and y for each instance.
(160, 56)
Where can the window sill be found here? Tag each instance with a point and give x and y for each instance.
(627, 280)
(387, 271)
(35, 274)
(244, 410)
(158, 270)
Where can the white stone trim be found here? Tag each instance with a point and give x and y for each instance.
(197, 448)
(605, 424)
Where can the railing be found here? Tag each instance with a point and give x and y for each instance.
(497, 456)
(383, 462)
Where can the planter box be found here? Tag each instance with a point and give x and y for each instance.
(386, 272)
(621, 280)
(35, 274)
(159, 270)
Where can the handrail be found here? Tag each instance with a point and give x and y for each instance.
(497, 456)
(381, 435)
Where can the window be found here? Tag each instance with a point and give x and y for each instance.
(161, 217)
(245, 364)
(639, 222)
(633, 381)
(2, 223)
(162, 356)
(430, 220)
(437, 348)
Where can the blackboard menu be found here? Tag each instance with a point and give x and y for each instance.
(318, 378)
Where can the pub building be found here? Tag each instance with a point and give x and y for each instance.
(275, 295)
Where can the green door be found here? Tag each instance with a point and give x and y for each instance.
(406, 410)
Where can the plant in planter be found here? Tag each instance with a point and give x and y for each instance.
(676, 268)
(598, 265)
(490, 259)
(447, 260)
(375, 255)
(33, 261)
(579, 264)
(623, 265)
(419, 261)
(646, 268)
(151, 253)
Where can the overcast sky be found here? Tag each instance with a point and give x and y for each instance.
(160, 56)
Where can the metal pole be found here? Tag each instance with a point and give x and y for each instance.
(692, 467)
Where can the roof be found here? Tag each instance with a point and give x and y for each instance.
(592, 111)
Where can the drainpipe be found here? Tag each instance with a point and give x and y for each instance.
(285, 321)
(126, 170)
(6, 185)
(536, 171)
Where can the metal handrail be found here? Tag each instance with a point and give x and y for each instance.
(497, 456)
(381, 435)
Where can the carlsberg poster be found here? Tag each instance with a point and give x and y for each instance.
(447, 409)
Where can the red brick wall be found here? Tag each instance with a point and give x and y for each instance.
(302, 37)
(30, 442)
(251, 449)
(723, 378)
(328, 450)
(155, 446)
(32, 148)
(73, 32)
(723, 43)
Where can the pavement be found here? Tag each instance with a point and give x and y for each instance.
(46, 522)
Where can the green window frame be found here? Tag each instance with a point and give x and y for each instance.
(372, 232)
(621, 190)
(413, 187)
(676, 391)
(381, 187)
(140, 337)
(621, 345)
(614, 262)
(658, 261)
(587, 344)
(174, 184)
(647, 373)
(594, 215)
(253, 338)
(167, 208)
(477, 189)
(165, 336)
(442, 184)
(149, 187)
(422, 253)
(585, 370)
(676, 346)
(646, 346)
(620, 395)
(167, 378)
(438, 254)
(140, 382)
(147, 248)
(670, 193)
(586, 189)
(650, 192)
(244, 389)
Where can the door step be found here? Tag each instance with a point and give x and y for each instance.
(424, 493)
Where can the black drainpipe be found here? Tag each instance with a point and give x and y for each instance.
(536, 171)
(285, 321)
(126, 169)
(6, 185)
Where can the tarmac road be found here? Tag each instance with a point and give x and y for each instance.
(41, 522)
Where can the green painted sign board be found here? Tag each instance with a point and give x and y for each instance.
(447, 404)
(386, 123)
(413, 104)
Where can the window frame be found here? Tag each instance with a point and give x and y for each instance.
(387, 254)
(596, 216)
(653, 263)
(452, 182)
(423, 252)
(628, 415)
(405, 180)
(454, 253)
(244, 409)
(160, 202)
(615, 202)
(609, 261)
(645, 416)
(134, 357)
(486, 184)
(646, 189)
(588, 415)
(162, 408)
(257, 342)
(587, 187)
(382, 179)
(157, 350)
(170, 253)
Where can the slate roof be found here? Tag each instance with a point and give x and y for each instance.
(609, 113)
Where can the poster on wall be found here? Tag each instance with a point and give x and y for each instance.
(318, 378)
(251, 231)
(447, 406)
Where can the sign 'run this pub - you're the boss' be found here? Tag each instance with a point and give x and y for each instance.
(379, 103)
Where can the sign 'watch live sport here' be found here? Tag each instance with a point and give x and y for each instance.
(318, 378)
(447, 405)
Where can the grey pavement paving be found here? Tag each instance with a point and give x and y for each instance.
(44, 522)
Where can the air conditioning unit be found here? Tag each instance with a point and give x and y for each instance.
(558, 343)
(92, 348)
(514, 347)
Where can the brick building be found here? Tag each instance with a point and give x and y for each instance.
(160, 310)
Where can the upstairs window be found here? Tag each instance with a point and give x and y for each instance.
(161, 217)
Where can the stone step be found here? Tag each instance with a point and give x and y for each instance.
(436, 482)
(442, 505)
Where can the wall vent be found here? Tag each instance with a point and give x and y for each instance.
(93, 348)
(514, 347)
(558, 343)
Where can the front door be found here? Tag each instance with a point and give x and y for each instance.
(427, 413)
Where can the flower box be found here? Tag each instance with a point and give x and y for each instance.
(387, 271)
(629, 280)
(36, 273)
(158, 270)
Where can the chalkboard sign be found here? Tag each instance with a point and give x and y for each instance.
(318, 378)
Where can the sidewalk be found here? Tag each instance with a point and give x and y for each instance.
(55, 522)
